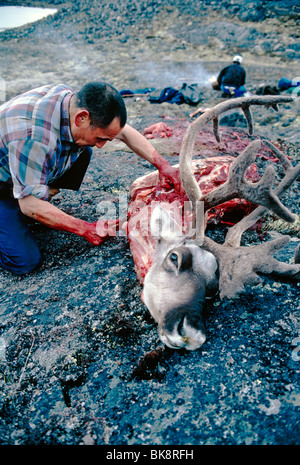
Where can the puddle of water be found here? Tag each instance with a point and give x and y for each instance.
(16, 16)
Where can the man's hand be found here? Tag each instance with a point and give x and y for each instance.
(97, 232)
(168, 174)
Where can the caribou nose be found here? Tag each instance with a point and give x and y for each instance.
(184, 335)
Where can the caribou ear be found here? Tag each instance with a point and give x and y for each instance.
(163, 226)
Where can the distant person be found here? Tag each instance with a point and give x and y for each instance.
(46, 135)
(232, 79)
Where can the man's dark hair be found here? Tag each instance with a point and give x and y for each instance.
(103, 102)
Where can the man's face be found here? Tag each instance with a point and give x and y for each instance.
(86, 135)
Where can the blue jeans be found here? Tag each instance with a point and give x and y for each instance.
(233, 91)
(19, 252)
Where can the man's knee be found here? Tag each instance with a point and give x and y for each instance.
(19, 252)
(28, 266)
(22, 263)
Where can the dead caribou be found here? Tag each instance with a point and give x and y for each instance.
(186, 268)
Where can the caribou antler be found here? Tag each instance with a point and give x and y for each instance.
(236, 186)
(186, 153)
(239, 266)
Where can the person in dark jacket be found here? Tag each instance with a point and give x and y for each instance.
(232, 79)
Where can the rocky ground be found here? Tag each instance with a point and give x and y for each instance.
(80, 357)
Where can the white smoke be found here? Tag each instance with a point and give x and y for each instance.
(171, 74)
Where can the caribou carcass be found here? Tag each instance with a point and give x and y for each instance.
(178, 265)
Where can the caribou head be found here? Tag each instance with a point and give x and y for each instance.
(188, 268)
(177, 284)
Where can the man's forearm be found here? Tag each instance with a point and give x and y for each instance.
(51, 216)
(137, 143)
(142, 147)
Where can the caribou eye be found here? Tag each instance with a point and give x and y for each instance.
(174, 258)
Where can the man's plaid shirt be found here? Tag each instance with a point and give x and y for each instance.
(36, 144)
